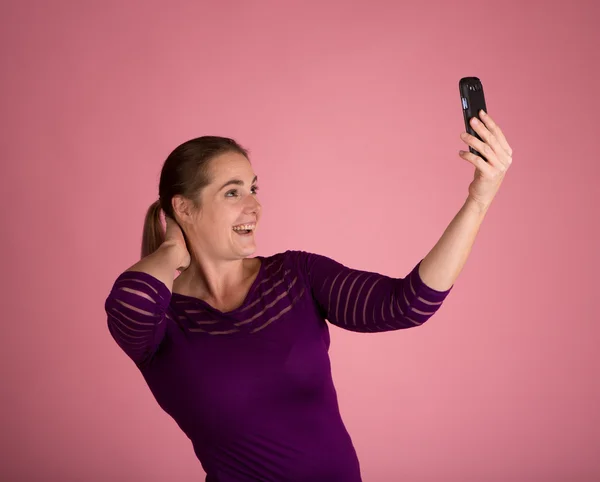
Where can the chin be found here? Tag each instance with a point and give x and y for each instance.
(242, 246)
(244, 251)
(248, 251)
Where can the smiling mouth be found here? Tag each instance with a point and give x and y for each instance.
(244, 229)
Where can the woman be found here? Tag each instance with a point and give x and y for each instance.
(235, 348)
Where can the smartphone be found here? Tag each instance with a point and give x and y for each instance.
(473, 100)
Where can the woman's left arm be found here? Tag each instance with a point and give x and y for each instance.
(371, 302)
(442, 265)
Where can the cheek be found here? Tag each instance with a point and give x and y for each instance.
(213, 222)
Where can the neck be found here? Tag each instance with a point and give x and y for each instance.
(214, 280)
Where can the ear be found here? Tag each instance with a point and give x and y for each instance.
(183, 208)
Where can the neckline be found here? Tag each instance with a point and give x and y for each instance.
(251, 291)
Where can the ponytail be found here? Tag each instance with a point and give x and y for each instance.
(153, 234)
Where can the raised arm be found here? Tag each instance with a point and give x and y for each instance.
(442, 265)
(138, 301)
(365, 301)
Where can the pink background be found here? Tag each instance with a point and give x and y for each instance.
(353, 118)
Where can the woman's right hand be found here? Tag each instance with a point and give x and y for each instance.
(175, 240)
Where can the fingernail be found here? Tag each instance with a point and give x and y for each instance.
(474, 121)
(483, 113)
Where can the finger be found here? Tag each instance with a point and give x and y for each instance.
(171, 224)
(495, 129)
(485, 150)
(477, 161)
(490, 139)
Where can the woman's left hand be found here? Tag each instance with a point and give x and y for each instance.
(488, 175)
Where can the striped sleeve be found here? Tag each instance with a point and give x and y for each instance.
(137, 309)
(363, 301)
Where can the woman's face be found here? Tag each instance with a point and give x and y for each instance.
(225, 224)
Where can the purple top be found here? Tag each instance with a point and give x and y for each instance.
(252, 388)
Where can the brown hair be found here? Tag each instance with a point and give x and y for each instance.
(185, 173)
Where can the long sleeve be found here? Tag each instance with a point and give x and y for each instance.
(368, 302)
(137, 309)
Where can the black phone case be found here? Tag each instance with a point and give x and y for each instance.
(472, 100)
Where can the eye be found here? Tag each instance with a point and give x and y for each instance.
(231, 193)
(254, 189)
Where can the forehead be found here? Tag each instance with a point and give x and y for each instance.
(231, 165)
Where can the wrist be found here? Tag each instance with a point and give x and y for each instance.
(476, 206)
(174, 253)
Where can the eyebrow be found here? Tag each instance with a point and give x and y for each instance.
(237, 182)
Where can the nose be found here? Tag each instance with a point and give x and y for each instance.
(252, 205)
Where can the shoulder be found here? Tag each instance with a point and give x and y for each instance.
(290, 259)
(283, 263)
(283, 277)
(283, 256)
(309, 266)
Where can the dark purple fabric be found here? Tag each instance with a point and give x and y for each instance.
(252, 388)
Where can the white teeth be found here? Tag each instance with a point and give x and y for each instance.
(244, 227)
